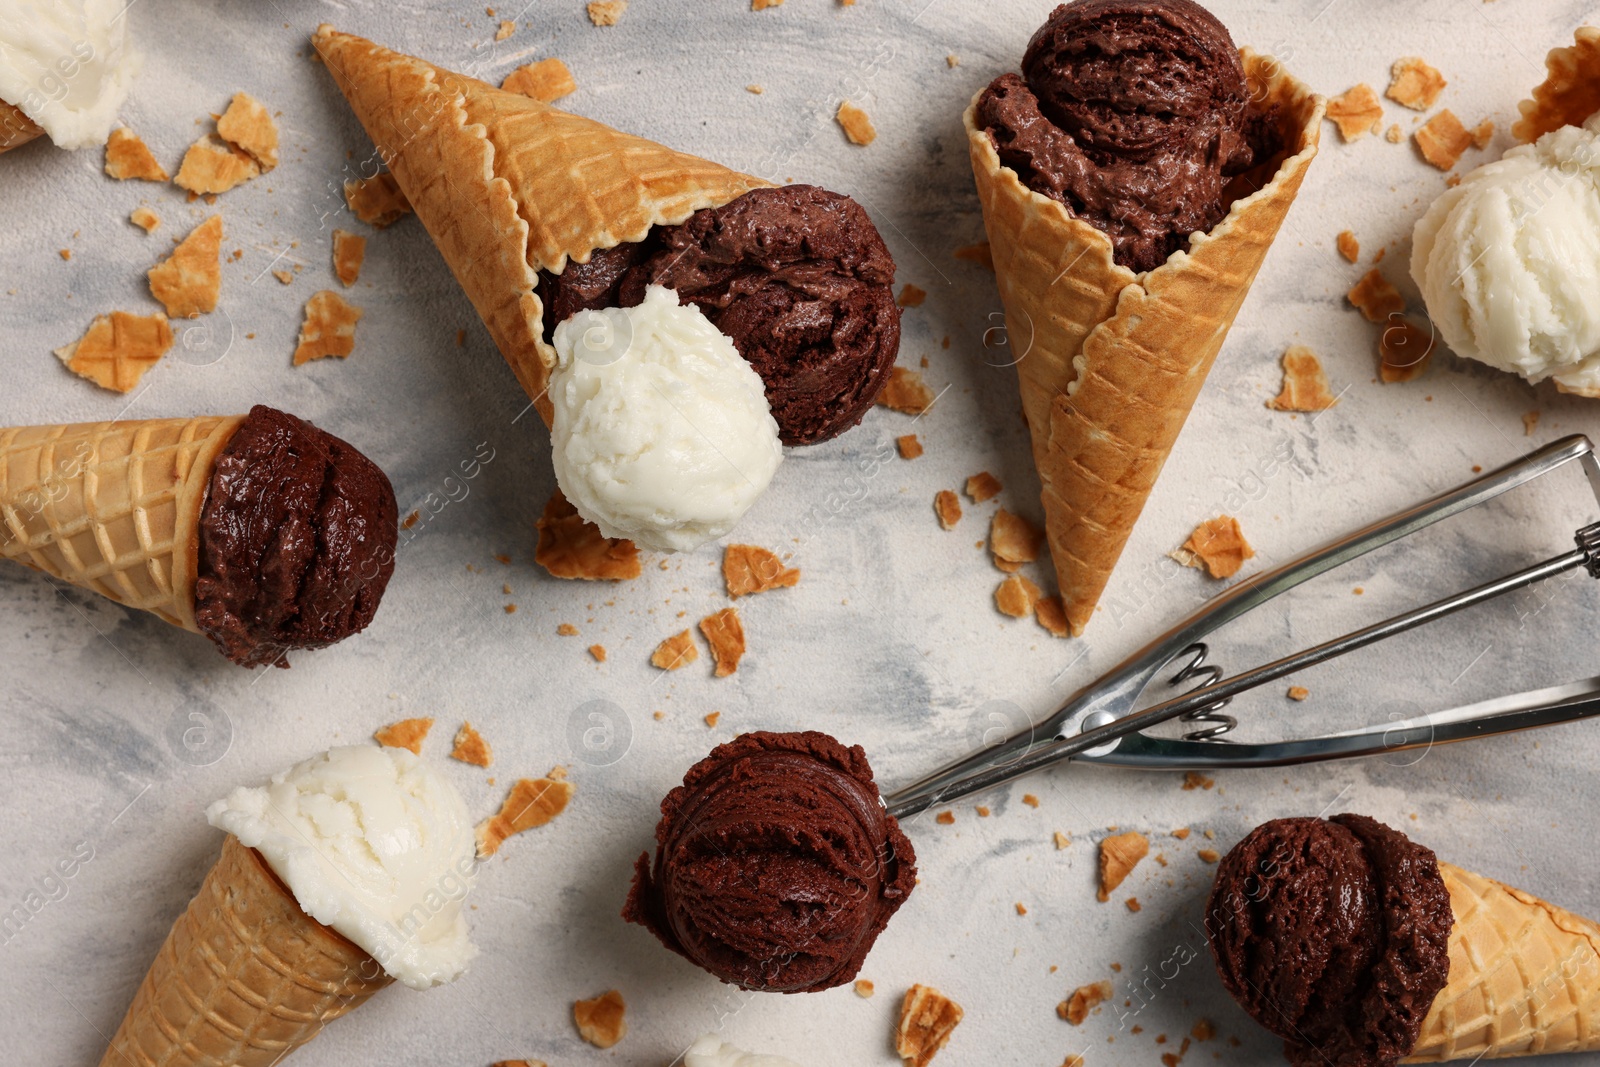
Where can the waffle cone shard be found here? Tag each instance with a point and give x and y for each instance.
(508, 186)
(1570, 92)
(1524, 977)
(112, 507)
(1109, 362)
(244, 978)
(16, 129)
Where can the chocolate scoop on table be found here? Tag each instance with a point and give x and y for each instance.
(797, 277)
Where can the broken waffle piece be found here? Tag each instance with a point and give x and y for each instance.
(189, 281)
(1357, 112)
(1013, 539)
(1298, 692)
(507, 28)
(600, 1021)
(470, 747)
(725, 634)
(128, 158)
(1482, 133)
(377, 201)
(948, 507)
(675, 652)
(908, 446)
(1076, 1008)
(750, 569)
(407, 733)
(983, 486)
(1218, 545)
(1375, 298)
(1442, 139)
(606, 12)
(1404, 351)
(1119, 855)
(1049, 612)
(1349, 247)
(1305, 385)
(857, 126)
(144, 218)
(1414, 84)
(927, 1019)
(349, 252)
(906, 392)
(531, 803)
(248, 127)
(546, 81)
(118, 348)
(212, 165)
(329, 328)
(571, 546)
(1016, 597)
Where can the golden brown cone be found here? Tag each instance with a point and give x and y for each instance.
(244, 978)
(15, 127)
(508, 186)
(113, 507)
(1524, 977)
(1109, 362)
(1570, 92)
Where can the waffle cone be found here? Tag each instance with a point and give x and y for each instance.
(1570, 92)
(113, 507)
(244, 978)
(1524, 977)
(15, 127)
(1109, 362)
(508, 186)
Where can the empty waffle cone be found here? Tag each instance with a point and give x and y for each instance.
(508, 186)
(15, 127)
(1570, 92)
(1109, 361)
(1524, 977)
(113, 507)
(244, 978)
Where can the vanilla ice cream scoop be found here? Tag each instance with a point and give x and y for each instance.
(1509, 261)
(373, 843)
(662, 433)
(711, 1051)
(67, 65)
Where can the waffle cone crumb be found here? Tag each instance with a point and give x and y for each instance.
(531, 803)
(118, 349)
(407, 733)
(927, 1019)
(1119, 855)
(571, 546)
(600, 1021)
(470, 747)
(725, 634)
(676, 651)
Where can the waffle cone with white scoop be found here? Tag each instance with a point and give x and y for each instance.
(508, 186)
(1110, 361)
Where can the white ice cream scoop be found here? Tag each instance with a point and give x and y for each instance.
(711, 1051)
(1509, 260)
(373, 843)
(67, 65)
(662, 433)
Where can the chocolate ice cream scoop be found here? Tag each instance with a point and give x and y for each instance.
(297, 541)
(1333, 934)
(798, 278)
(1132, 113)
(777, 866)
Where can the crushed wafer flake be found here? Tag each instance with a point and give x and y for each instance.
(470, 747)
(1305, 385)
(1030, 800)
(606, 12)
(906, 392)
(407, 733)
(377, 200)
(1049, 612)
(1217, 545)
(1482, 133)
(712, 719)
(864, 988)
(1016, 597)
(531, 803)
(1013, 538)
(1298, 692)
(675, 652)
(349, 252)
(725, 634)
(1375, 298)
(1195, 780)
(189, 281)
(857, 126)
(507, 28)
(908, 446)
(545, 81)
(598, 652)
(978, 253)
(752, 569)
(1133, 904)
(1394, 134)
(1349, 247)
(128, 158)
(911, 296)
(571, 546)
(1076, 1008)
(600, 1021)
(1061, 840)
(927, 1018)
(283, 276)
(983, 486)
(945, 818)
(248, 126)
(952, 61)
(1414, 84)
(1404, 351)
(145, 219)
(1356, 112)
(1072, 1060)
(1208, 855)
(329, 328)
(566, 629)
(762, 5)
(212, 165)
(1022, 909)
(947, 506)
(1119, 855)
(118, 348)
(1530, 422)
(754, 89)
(1442, 139)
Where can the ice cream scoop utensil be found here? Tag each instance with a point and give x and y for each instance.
(1103, 722)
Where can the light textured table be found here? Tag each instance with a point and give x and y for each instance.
(890, 640)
